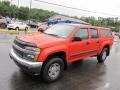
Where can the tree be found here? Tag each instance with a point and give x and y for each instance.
(23, 13)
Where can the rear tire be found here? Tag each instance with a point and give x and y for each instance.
(26, 28)
(102, 57)
(52, 69)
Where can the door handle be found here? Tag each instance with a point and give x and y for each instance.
(87, 43)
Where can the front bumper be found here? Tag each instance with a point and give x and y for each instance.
(28, 66)
(10, 27)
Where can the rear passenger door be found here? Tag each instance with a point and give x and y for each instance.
(94, 41)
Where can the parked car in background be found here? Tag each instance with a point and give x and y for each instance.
(3, 22)
(41, 27)
(117, 34)
(17, 26)
(32, 23)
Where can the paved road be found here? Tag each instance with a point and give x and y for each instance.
(81, 75)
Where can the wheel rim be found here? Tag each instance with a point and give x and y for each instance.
(104, 55)
(54, 70)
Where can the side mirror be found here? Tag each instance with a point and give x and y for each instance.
(77, 39)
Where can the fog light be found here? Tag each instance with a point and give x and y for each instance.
(30, 56)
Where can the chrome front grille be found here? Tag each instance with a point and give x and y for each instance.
(18, 52)
(19, 49)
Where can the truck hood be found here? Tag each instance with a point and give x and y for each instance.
(41, 40)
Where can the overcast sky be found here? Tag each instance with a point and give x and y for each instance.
(106, 6)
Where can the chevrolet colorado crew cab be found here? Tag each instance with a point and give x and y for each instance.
(48, 53)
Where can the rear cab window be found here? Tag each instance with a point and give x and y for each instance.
(106, 33)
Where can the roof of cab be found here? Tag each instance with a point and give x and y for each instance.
(90, 26)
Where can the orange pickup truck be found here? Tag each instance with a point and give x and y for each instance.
(48, 53)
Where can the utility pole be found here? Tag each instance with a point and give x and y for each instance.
(10, 6)
(18, 3)
(30, 4)
(10, 2)
(18, 10)
(30, 10)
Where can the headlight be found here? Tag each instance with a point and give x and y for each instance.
(32, 53)
(34, 49)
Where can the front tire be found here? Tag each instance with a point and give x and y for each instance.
(102, 57)
(52, 69)
(17, 28)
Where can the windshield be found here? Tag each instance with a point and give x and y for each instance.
(60, 30)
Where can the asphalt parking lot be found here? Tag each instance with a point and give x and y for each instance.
(81, 75)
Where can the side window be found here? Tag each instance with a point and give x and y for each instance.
(94, 33)
(106, 33)
(82, 33)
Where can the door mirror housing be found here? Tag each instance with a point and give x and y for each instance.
(76, 39)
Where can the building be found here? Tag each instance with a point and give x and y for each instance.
(65, 19)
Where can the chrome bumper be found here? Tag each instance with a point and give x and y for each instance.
(29, 66)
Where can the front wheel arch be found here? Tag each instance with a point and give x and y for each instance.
(60, 54)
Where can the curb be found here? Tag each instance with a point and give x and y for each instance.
(16, 32)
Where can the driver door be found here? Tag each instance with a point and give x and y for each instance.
(79, 49)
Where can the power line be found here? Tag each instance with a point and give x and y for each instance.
(78, 8)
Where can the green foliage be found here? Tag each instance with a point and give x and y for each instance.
(112, 23)
(23, 13)
(4, 10)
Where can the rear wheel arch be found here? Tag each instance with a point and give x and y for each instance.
(26, 29)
